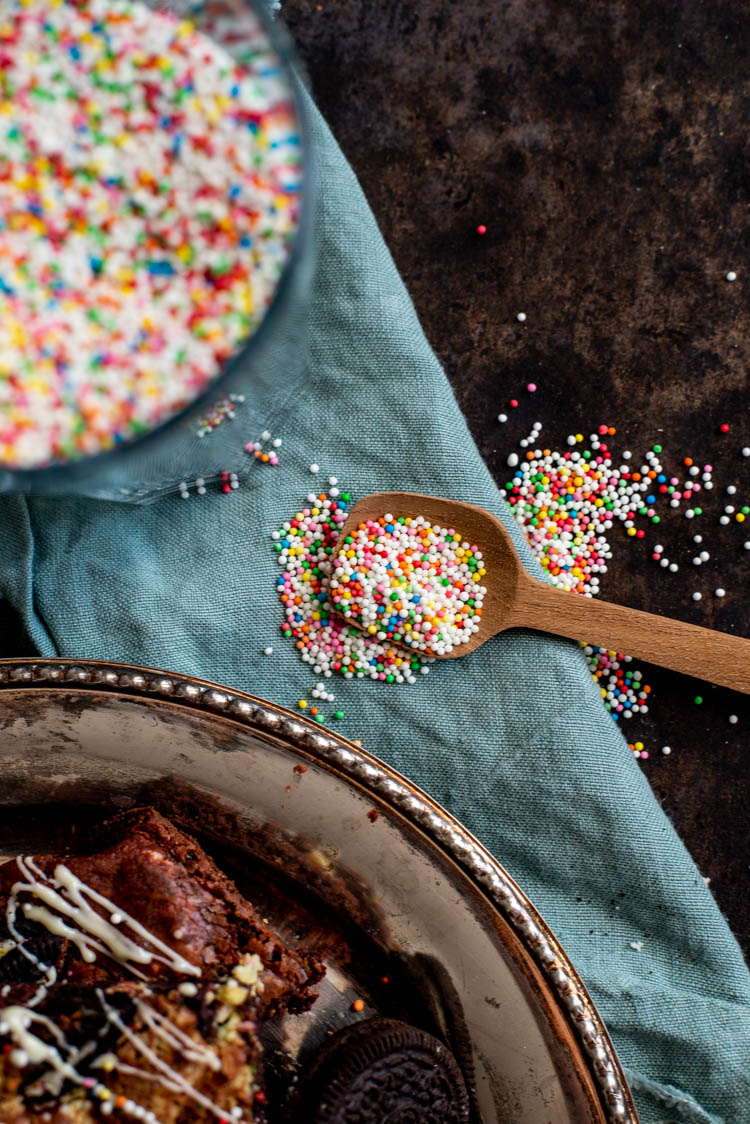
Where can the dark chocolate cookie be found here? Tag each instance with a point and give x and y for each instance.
(380, 1071)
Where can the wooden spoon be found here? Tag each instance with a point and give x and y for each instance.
(516, 600)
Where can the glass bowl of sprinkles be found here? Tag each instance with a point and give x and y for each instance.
(155, 240)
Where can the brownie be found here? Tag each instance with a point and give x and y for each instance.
(163, 879)
(177, 1039)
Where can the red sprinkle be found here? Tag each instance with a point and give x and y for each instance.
(481, 229)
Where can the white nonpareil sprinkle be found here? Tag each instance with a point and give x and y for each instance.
(314, 468)
(720, 592)
(268, 651)
(733, 719)
(731, 276)
(502, 417)
(666, 750)
(697, 596)
(512, 460)
(521, 317)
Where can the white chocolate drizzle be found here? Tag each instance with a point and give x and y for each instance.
(91, 932)
(64, 906)
(175, 1037)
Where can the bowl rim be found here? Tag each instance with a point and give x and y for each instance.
(333, 752)
(83, 469)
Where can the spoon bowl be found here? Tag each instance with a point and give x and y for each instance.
(515, 599)
(504, 568)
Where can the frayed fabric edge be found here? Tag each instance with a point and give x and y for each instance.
(671, 1097)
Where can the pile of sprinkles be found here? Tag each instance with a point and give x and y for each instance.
(306, 546)
(149, 192)
(408, 582)
(566, 502)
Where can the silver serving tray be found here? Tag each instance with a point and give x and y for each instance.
(340, 851)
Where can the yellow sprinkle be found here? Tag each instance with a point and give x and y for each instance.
(302, 704)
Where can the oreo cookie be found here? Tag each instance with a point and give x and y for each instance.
(382, 1070)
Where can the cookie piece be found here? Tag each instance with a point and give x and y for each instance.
(380, 1070)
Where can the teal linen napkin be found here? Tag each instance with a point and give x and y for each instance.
(514, 739)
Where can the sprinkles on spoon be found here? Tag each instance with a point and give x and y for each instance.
(410, 583)
(149, 191)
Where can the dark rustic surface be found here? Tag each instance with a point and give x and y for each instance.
(603, 146)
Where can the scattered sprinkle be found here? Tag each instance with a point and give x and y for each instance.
(733, 719)
(731, 276)
(521, 317)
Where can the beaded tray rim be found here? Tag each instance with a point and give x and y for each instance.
(331, 750)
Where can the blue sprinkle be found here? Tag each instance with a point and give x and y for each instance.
(160, 268)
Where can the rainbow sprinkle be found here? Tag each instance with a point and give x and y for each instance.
(149, 192)
(305, 546)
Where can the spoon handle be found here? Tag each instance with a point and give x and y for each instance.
(716, 657)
